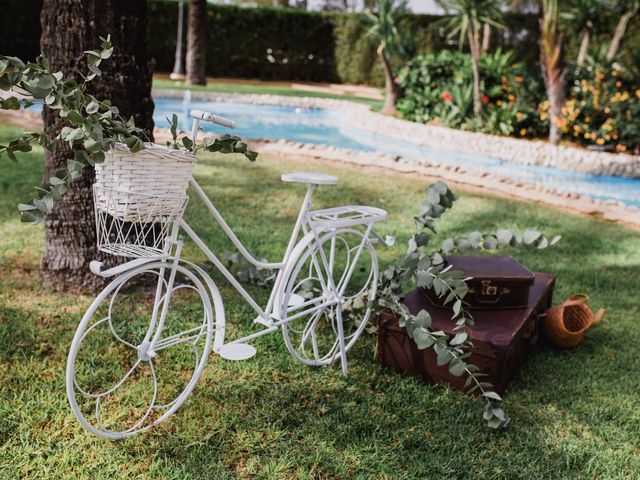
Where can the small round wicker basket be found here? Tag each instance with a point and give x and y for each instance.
(566, 324)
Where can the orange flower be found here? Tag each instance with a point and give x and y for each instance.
(523, 132)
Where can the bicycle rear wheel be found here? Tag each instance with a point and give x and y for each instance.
(126, 372)
(326, 292)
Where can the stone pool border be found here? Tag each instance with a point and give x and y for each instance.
(481, 181)
(519, 151)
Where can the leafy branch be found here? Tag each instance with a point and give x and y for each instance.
(91, 127)
(428, 269)
(224, 144)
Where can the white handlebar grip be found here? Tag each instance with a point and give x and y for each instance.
(210, 117)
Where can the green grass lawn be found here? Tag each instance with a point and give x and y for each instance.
(575, 414)
(248, 88)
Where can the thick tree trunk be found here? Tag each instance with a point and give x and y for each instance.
(474, 45)
(486, 38)
(554, 75)
(391, 88)
(618, 35)
(584, 47)
(197, 43)
(69, 27)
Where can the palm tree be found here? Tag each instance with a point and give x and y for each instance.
(469, 18)
(67, 31)
(383, 27)
(584, 14)
(553, 65)
(627, 10)
(197, 43)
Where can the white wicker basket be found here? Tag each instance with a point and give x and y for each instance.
(153, 171)
(138, 197)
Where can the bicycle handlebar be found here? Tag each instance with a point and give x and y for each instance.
(210, 117)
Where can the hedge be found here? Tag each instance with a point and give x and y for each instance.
(289, 44)
(20, 28)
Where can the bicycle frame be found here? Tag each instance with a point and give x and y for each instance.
(265, 316)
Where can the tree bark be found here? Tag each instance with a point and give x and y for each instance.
(584, 47)
(554, 76)
(69, 27)
(197, 43)
(474, 45)
(618, 34)
(391, 88)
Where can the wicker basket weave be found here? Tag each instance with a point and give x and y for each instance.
(566, 324)
(154, 171)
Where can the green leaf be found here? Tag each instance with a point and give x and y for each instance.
(422, 338)
(530, 236)
(459, 339)
(92, 108)
(492, 396)
(457, 307)
(75, 134)
(504, 236)
(443, 357)
(423, 319)
(187, 142)
(75, 117)
(24, 207)
(457, 369)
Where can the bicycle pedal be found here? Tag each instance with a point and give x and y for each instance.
(237, 351)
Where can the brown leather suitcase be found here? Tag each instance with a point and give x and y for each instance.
(497, 281)
(502, 338)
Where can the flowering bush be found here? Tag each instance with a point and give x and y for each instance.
(437, 89)
(603, 108)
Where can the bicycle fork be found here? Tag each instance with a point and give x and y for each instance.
(146, 350)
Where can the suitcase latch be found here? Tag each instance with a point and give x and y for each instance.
(488, 289)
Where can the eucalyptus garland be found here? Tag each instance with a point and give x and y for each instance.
(92, 127)
(426, 267)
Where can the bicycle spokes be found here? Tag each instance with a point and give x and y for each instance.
(130, 369)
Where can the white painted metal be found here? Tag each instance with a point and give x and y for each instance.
(146, 356)
(139, 216)
(237, 351)
(311, 178)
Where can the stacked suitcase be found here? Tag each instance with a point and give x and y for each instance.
(506, 302)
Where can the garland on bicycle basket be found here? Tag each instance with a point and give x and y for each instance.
(91, 128)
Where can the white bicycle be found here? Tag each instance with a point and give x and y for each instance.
(143, 343)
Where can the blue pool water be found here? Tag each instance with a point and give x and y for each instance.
(328, 127)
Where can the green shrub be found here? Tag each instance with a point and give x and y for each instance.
(437, 89)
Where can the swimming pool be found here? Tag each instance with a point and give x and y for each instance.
(329, 127)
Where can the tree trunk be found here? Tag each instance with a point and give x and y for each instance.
(584, 47)
(69, 27)
(618, 35)
(486, 38)
(391, 88)
(554, 75)
(197, 43)
(474, 45)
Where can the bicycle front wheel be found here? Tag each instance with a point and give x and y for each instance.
(139, 350)
(331, 283)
